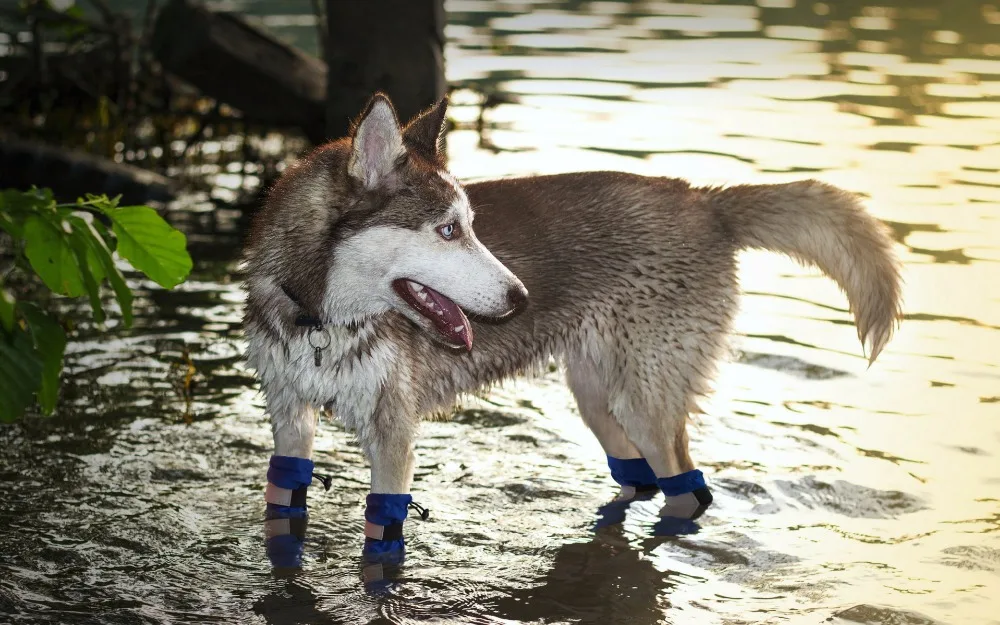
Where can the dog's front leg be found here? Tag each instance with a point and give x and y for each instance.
(388, 443)
(293, 424)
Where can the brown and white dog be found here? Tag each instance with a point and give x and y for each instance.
(381, 288)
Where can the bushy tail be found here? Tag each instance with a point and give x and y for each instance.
(821, 225)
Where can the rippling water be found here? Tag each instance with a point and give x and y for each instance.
(843, 495)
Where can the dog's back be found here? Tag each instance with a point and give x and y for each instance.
(603, 253)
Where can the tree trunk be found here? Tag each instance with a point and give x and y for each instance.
(393, 46)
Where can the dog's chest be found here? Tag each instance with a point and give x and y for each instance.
(342, 368)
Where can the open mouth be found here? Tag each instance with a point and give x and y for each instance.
(448, 319)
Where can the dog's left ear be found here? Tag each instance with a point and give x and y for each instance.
(425, 132)
(377, 144)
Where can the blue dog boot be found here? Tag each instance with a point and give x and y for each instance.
(288, 481)
(687, 495)
(636, 479)
(384, 516)
(284, 541)
(634, 476)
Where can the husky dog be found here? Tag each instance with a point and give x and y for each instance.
(381, 288)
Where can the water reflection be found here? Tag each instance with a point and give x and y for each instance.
(292, 601)
(606, 579)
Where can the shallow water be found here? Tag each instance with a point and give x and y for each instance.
(843, 495)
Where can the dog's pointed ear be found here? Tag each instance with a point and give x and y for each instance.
(377, 144)
(425, 132)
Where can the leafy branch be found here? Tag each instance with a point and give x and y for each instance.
(71, 249)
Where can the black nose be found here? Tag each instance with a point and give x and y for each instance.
(517, 297)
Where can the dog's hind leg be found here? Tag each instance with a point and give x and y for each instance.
(655, 392)
(654, 369)
(628, 468)
(660, 433)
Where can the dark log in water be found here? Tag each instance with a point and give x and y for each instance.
(267, 80)
(72, 174)
(395, 46)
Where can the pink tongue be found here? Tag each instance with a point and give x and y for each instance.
(452, 322)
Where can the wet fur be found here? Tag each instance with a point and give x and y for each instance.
(632, 285)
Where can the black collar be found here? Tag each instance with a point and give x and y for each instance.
(303, 319)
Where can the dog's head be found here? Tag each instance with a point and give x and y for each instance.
(402, 235)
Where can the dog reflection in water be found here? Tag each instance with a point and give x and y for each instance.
(607, 579)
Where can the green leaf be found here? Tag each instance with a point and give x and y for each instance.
(151, 244)
(10, 222)
(20, 374)
(100, 256)
(41, 198)
(75, 29)
(122, 292)
(49, 341)
(94, 263)
(102, 202)
(101, 229)
(7, 303)
(16, 206)
(47, 248)
(85, 257)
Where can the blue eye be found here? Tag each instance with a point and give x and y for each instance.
(448, 231)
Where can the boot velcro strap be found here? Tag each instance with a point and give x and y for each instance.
(383, 532)
(285, 496)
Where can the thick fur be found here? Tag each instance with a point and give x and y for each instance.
(631, 283)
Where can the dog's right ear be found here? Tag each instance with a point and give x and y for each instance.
(425, 132)
(377, 144)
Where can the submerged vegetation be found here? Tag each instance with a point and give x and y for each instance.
(68, 250)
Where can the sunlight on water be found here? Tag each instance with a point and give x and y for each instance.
(843, 494)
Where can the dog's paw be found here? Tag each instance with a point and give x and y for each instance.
(672, 526)
(635, 493)
(688, 506)
(383, 551)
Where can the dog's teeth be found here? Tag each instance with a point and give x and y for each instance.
(458, 328)
(422, 295)
(416, 287)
